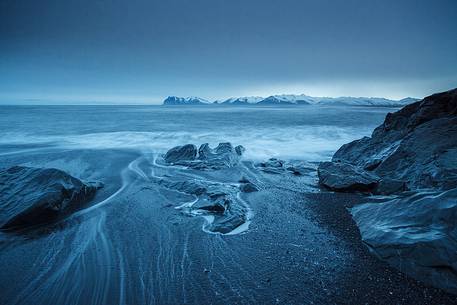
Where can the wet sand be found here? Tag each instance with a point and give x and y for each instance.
(131, 245)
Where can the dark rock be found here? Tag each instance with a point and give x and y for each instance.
(417, 234)
(416, 145)
(31, 196)
(244, 180)
(272, 166)
(212, 199)
(248, 187)
(223, 156)
(390, 186)
(239, 149)
(414, 150)
(177, 154)
(191, 187)
(273, 162)
(227, 223)
(217, 205)
(344, 177)
(277, 166)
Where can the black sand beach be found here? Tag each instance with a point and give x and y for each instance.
(131, 245)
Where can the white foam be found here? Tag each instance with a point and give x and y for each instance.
(312, 143)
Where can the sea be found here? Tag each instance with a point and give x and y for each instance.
(310, 133)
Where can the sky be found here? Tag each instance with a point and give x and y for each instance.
(141, 51)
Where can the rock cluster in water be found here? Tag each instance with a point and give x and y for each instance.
(412, 154)
(220, 201)
(32, 196)
(223, 156)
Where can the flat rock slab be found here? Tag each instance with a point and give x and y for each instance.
(31, 196)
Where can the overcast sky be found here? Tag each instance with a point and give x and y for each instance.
(141, 51)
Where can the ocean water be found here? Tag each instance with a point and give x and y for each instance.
(310, 133)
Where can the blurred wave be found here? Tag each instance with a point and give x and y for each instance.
(310, 142)
(290, 133)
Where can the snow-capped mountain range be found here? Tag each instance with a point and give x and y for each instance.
(292, 99)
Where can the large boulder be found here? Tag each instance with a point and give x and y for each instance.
(415, 147)
(344, 177)
(417, 234)
(31, 196)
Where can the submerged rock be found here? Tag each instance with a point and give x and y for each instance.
(31, 196)
(223, 156)
(344, 177)
(416, 234)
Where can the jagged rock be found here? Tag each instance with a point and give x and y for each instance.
(415, 146)
(223, 156)
(340, 176)
(31, 196)
(177, 154)
(416, 234)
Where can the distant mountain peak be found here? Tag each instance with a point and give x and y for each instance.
(243, 100)
(292, 99)
(191, 100)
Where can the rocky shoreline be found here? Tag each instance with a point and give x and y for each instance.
(412, 156)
